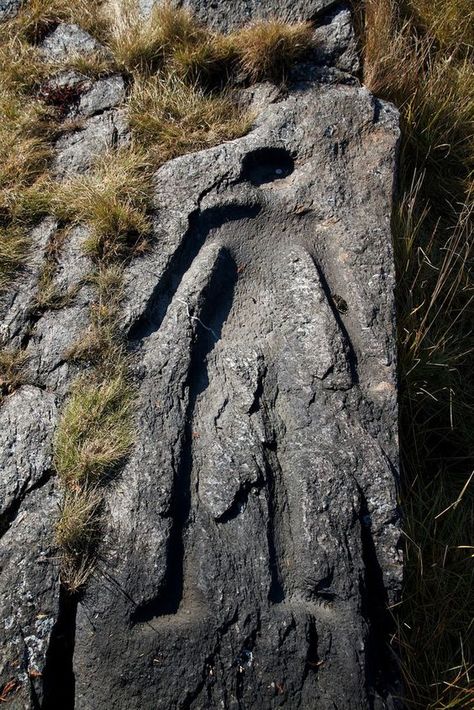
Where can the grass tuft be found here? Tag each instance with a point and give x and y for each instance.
(21, 66)
(113, 200)
(78, 526)
(24, 158)
(12, 370)
(14, 247)
(37, 17)
(77, 532)
(209, 63)
(101, 345)
(451, 23)
(24, 151)
(141, 46)
(172, 40)
(268, 49)
(94, 434)
(171, 117)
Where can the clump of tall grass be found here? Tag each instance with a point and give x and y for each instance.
(77, 532)
(24, 150)
(94, 434)
(24, 157)
(14, 247)
(26, 126)
(78, 525)
(142, 46)
(37, 17)
(209, 63)
(172, 117)
(450, 23)
(419, 55)
(21, 66)
(171, 37)
(268, 49)
(101, 344)
(93, 438)
(113, 200)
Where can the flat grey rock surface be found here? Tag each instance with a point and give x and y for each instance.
(252, 537)
(69, 40)
(251, 540)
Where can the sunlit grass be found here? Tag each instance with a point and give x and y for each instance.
(94, 434)
(12, 366)
(172, 117)
(417, 54)
(142, 46)
(112, 199)
(268, 49)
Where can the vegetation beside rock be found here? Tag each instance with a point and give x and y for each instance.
(113, 200)
(266, 50)
(12, 364)
(419, 54)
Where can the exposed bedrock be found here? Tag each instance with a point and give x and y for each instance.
(252, 537)
(251, 541)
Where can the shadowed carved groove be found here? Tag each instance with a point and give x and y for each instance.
(200, 224)
(265, 165)
(218, 299)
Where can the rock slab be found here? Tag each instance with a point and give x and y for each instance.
(251, 542)
(252, 537)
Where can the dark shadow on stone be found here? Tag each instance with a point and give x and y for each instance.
(58, 675)
(200, 224)
(380, 669)
(218, 301)
(265, 165)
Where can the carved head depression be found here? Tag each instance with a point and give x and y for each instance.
(266, 165)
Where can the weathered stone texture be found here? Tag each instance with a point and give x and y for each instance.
(253, 534)
(251, 540)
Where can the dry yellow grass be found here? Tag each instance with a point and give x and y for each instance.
(21, 67)
(451, 23)
(268, 49)
(37, 17)
(94, 434)
(101, 344)
(25, 127)
(14, 247)
(171, 38)
(12, 366)
(140, 46)
(78, 524)
(209, 63)
(77, 533)
(419, 55)
(24, 150)
(172, 117)
(112, 200)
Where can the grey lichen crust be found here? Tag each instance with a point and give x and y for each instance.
(251, 541)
